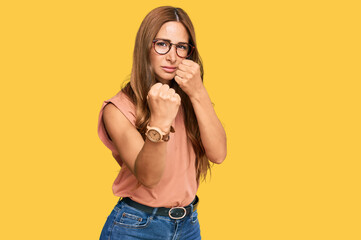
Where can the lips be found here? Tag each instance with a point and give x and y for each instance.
(169, 69)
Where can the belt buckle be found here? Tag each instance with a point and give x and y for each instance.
(176, 212)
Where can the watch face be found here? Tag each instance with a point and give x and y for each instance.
(154, 135)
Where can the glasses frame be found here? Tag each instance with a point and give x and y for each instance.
(170, 47)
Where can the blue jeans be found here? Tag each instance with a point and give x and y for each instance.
(128, 223)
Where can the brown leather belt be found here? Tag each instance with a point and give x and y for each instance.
(174, 213)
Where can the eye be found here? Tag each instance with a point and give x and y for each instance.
(182, 46)
(161, 44)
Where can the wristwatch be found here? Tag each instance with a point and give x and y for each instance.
(154, 134)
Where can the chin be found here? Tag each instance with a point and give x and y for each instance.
(165, 79)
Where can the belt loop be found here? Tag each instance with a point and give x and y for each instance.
(154, 211)
(192, 204)
(191, 209)
(196, 200)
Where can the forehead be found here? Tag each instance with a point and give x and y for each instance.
(174, 31)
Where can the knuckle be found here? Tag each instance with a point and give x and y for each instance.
(175, 101)
(150, 95)
(165, 86)
(157, 85)
(161, 95)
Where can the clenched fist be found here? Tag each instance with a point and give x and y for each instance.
(163, 104)
(188, 77)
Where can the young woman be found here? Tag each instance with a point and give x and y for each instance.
(163, 131)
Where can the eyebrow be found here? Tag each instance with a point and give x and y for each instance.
(168, 40)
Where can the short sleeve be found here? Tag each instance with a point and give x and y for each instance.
(123, 103)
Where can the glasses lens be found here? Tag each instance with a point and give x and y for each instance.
(161, 46)
(183, 49)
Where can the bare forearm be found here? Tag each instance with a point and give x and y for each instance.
(163, 103)
(150, 163)
(212, 132)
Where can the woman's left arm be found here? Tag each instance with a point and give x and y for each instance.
(212, 132)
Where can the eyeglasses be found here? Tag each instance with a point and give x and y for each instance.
(162, 46)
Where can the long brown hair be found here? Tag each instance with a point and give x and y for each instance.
(143, 77)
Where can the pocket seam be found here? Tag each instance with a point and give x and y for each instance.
(133, 226)
(133, 217)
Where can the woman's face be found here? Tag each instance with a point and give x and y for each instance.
(175, 32)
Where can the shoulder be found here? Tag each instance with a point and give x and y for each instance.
(113, 117)
(120, 103)
(117, 114)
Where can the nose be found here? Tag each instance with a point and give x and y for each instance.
(172, 54)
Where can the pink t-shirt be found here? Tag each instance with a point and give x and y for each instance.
(178, 185)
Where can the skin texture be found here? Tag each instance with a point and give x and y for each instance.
(163, 104)
(175, 32)
(189, 79)
(145, 159)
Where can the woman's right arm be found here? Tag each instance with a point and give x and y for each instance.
(145, 159)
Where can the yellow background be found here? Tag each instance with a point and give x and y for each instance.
(285, 80)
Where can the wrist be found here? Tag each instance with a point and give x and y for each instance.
(199, 95)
